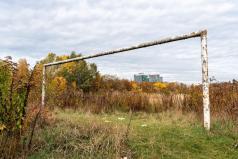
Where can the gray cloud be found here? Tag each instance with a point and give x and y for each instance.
(30, 29)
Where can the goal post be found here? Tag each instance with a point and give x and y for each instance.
(205, 81)
(204, 61)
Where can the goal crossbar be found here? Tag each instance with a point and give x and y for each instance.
(138, 46)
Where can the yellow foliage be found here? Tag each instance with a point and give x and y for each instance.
(134, 85)
(2, 127)
(23, 71)
(74, 84)
(160, 85)
(63, 57)
(59, 83)
(69, 66)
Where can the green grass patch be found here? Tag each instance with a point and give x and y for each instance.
(168, 135)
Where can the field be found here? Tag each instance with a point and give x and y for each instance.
(91, 115)
(72, 134)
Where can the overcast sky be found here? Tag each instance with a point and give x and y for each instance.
(31, 29)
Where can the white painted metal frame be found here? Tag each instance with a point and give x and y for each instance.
(204, 58)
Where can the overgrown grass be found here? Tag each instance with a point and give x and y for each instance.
(164, 135)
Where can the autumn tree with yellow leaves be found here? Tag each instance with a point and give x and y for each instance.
(70, 78)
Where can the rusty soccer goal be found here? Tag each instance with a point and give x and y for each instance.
(204, 60)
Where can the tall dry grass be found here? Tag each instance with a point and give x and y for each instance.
(70, 136)
(223, 98)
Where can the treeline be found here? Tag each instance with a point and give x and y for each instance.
(80, 85)
(69, 81)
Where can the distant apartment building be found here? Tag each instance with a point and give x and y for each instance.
(155, 78)
(141, 77)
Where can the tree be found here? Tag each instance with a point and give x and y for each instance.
(22, 71)
(14, 90)
(80, 73)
